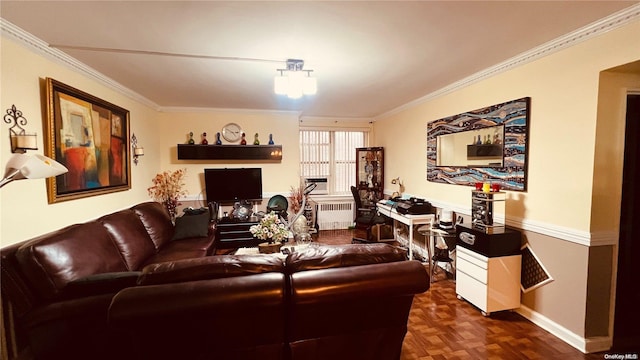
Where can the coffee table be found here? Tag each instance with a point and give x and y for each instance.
(254, 250)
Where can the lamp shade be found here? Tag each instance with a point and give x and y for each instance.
(23, 166)
(296, 83)
(138, 151)
(280, 85)
(310, 86)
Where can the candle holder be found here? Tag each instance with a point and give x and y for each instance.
(21, 141)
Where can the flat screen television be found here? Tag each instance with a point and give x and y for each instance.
(231, 185)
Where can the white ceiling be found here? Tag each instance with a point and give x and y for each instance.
(369, 57)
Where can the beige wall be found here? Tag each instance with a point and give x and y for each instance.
(565, 167)
(24, 211)
(277, 177)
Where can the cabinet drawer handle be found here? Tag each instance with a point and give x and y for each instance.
(467, 238)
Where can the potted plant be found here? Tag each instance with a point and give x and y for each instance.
(272, 230)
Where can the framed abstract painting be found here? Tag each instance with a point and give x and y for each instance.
(90, 137)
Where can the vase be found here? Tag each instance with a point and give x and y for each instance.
(172, 208)
(269, 247)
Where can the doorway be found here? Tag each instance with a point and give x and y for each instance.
(626, 332)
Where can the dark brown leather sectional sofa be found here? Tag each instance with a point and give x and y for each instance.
(119, 288)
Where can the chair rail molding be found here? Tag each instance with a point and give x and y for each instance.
(585, 238)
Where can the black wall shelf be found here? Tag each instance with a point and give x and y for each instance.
(229, 152)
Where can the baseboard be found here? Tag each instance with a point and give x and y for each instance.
(598, 344)
(585, 345)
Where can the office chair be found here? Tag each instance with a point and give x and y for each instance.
(368, 224)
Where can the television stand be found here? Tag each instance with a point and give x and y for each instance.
(234, 233)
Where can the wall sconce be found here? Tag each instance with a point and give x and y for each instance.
(20, 140)
(137, 150)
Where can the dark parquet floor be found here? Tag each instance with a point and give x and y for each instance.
(442, 327)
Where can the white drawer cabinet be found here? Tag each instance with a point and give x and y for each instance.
(489, 283)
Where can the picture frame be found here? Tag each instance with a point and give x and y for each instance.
(89, 136)
(511, 174)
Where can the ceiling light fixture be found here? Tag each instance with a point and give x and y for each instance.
(294, 81)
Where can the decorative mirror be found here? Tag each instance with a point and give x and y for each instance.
(487, 144)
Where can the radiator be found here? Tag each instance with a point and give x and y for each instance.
(335, 215)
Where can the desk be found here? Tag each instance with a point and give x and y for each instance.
(407, 219)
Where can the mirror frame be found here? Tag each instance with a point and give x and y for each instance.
(512, 175)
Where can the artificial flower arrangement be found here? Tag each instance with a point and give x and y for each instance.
(167, 188)
(295, 197)
(270, 228)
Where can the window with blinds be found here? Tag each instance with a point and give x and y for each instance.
(331, 155)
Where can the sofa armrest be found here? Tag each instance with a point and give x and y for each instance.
(210, 267)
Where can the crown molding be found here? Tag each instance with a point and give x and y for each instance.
(336, 119)
(180, 109)
(599, 27)
(40, 47)
(594, 29)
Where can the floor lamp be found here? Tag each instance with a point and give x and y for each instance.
(23, 166)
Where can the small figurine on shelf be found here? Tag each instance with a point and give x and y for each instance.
(243, 141)
(496, 138)
(271, 139)
(191, 141)
(256, 141)
(204, 139)
(218, 141)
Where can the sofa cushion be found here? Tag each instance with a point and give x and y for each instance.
(69, 329)
(130, 236)
(175, 254)
(190, 248)
(205, 244)
(196, 225)
(334, 256)
(53, 260)
(210, 267)
(105, 283)
(156, 220)
(229, 318)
